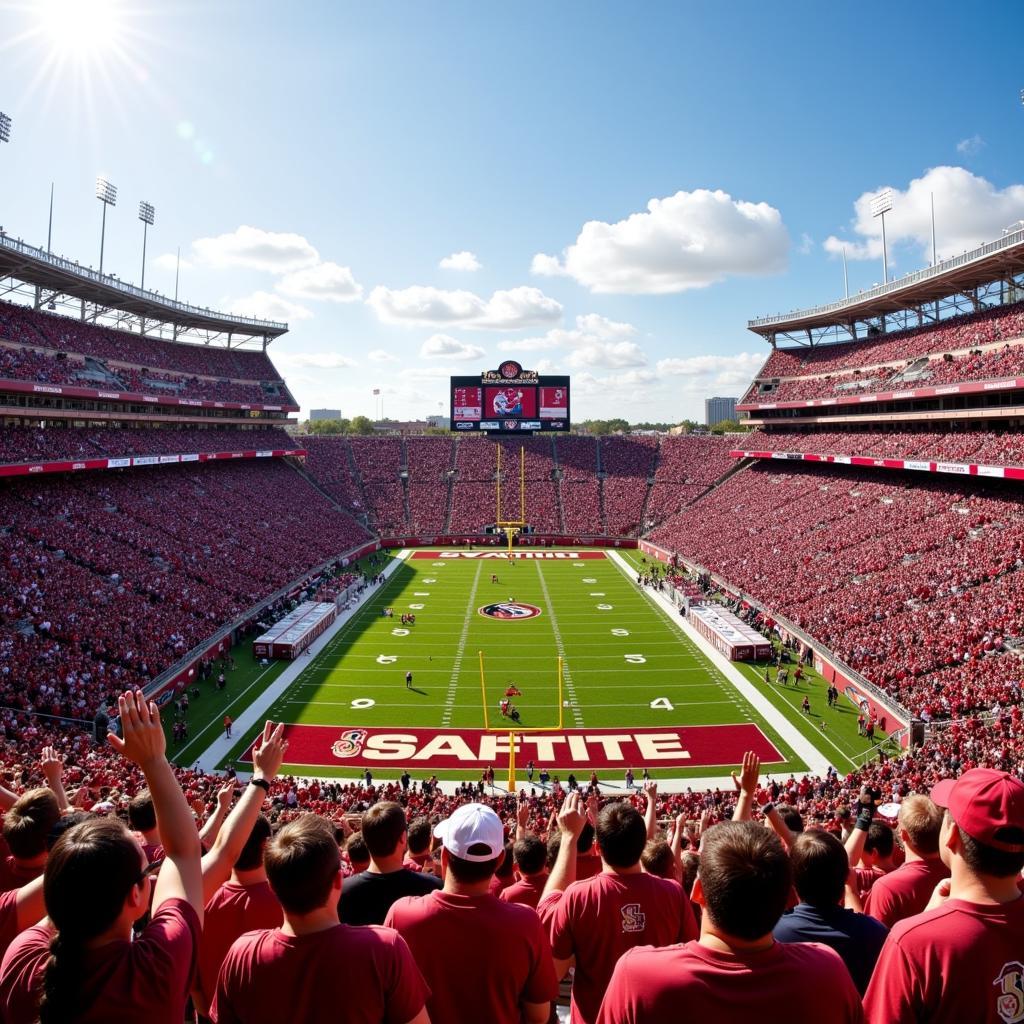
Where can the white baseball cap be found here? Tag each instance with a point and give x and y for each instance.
(470, 825)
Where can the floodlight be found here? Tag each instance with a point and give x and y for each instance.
(5, 127)
(105, 192)
(147, 213)
(880, 206)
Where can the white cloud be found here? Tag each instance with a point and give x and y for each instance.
(327, 282)
(688, 240)
(504, 310)
(441, 346)
(274, 251)
(379, 355)
(971, 146)
(314, 360)
(267, 306)
(169, 261)
(594, 341)
(737, 370)
(464, 260)
(969, 210)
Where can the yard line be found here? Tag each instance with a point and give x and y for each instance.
(570, 689)
(460, 649)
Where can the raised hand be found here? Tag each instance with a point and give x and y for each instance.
(52, 766)
(751, 769)
(268, 754)
(143, 738)
(571, 818)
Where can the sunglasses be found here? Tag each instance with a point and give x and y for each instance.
(149, 870)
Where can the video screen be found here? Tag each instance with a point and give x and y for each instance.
(510, 406)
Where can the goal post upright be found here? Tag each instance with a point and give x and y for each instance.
(511, 527)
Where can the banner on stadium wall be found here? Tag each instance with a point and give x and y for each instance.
(24, 469)
(357, 747)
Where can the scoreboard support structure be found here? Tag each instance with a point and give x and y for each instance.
(512, 732)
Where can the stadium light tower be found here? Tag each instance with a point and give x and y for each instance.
(880, 206)
(147, 214)
(107, 195)
(5, 127)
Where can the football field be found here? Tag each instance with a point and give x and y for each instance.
(636, 690)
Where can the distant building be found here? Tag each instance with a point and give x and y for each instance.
(718, 409)
(324, 414)
(440, 422)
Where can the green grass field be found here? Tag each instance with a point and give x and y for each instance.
(626, 664)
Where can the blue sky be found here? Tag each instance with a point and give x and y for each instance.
(317, 162)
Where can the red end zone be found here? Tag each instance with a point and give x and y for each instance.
(502, 556)
(473, 750)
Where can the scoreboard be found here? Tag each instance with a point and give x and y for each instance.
(509, 400)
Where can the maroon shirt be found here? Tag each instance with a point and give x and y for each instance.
(449, 933)
(600, 918)
(362, 975)
(788, 982)
(959, 963)
(527, 891)
(906, 891)
(122, 982)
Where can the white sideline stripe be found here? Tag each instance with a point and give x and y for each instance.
(816, 762)
(250, 721)
(460, 650)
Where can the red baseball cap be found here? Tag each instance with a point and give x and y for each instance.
(983, 802)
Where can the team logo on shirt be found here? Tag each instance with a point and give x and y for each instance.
(510, 610)
(633, 918)
(1010, 1005)
(350, 744)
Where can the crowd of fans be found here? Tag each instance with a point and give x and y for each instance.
(110, 578)
(980, 447)
(36, 444)
(957, 334)
(915, 583)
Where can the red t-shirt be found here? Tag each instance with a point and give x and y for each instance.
(961, 962)
(448, 934)
(526, 891)
(233, 910)
(8, 919)
(499, 885)
(361, 975)
(600, 918)
(122, 982)
(800, 981)
(13, 874)
(906, 891)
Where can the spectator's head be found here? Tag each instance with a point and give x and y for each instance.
(419, 837)
(744, 879)
(983, 826)
(920, 822)
(658, 859)
(820, 866)
(472, 843)
(251, 856)
(554, 843)
(621, 834)
(95, 877)
(879, 844)
(141, 813)
(506, 869)
(530, 855)
(791, 816)
(357, 852)
(691, 864)
(383, 829)
(304, 865)
(586, 838)
(28, 823)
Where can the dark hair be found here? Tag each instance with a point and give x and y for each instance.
(28, 823)
(64, 824)
(881, 839)
(530, 855)
(382, 826)
(554, 843)
(355, 847)
(658, 859)
(506, 869)
(302, 863)
(471, 871)
(141, 813)
(419, 835)
(89, 873)
(251, 856)
(621, 834)
(586, 838)
(691, 864)
(745, 875)
(987, 860)
(820, 867)
(791, 816)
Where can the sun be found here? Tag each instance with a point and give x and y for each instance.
(80, 28)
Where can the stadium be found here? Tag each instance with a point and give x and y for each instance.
(496, 715)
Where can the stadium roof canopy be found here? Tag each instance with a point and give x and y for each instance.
(51, 281)
(989, 275)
